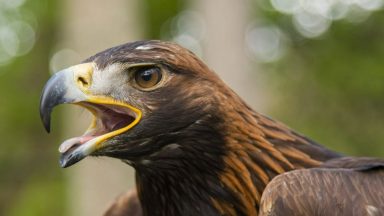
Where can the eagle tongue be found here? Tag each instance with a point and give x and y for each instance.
(70, 143)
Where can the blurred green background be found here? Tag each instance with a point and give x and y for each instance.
(321, 65)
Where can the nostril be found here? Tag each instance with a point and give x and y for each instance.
(82, 75)
(82, 81)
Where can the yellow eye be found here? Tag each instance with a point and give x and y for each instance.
(147, 77)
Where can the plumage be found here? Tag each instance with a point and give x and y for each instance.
(197, 147)
(325, 191)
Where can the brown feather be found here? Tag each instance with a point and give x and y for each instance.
(321, 191)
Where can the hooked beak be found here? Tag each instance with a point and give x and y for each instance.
(111, 117)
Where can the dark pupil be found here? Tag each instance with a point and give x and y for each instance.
(146, 75)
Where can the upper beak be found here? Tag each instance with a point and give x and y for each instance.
(66, 86)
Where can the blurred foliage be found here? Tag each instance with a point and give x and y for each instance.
(30, 182)
(158, 12)
(331, 88)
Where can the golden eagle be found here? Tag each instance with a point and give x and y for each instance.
(196, 146)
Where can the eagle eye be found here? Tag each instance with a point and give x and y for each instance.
(147, 77)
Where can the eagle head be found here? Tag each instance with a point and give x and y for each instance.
(150, 100)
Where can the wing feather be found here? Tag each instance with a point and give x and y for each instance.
(348, 186)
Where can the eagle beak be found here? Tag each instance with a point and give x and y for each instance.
(61, 88)
(111, 117)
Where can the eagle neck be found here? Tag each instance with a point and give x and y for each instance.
(184, 177)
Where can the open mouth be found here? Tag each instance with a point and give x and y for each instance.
(109, 120)
(112, 117)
